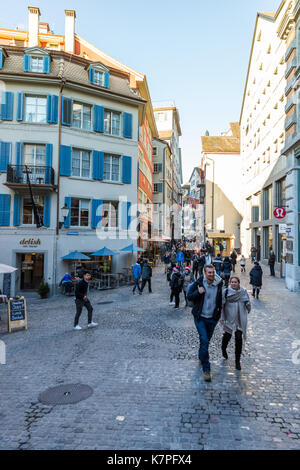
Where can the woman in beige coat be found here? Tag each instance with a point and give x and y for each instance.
(236, 306)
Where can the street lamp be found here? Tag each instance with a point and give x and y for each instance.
(64, 212)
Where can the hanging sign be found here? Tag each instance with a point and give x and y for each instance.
(17, 314)
(279, 212)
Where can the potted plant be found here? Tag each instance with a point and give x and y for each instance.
(43, 290)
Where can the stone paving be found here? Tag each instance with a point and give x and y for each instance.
(148, 390)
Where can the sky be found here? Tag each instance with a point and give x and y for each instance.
(194, 52)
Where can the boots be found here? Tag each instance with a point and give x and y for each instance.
(257, 293)
(253, 292)
(238, 349)
(225, 340)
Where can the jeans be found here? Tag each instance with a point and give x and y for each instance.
(79, 306)
(136, 285)
(205, 328)
(144, 283)
(175, 294)
(272, 270)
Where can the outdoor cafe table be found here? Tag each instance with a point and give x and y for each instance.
(107, 279)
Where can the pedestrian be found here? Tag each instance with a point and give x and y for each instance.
(176, 285)
(208, 258)
(256, 274)
(233, 258)
(166, 260)
(271, 263)
(201, 263)
(195, 265)
(243, 264)
(217, 263)
(67, 284)
(206, 295)
(236, 306)
(81, 301)
(146, 276)
(136, 272)
(173, 257)
(253, 252)
(226, 270)
(180, 259)
(187, 280)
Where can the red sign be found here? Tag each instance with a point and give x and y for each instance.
(279, 213)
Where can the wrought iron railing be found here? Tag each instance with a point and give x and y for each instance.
(37, 174)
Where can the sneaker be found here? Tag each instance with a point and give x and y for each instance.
(207, 376)
(92, 325)
(172, 303)
(77, 327)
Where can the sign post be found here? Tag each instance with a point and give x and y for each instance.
(17, 314)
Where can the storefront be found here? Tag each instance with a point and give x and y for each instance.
(222, 242)
(32, 270)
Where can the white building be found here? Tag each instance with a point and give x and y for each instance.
(193, 207)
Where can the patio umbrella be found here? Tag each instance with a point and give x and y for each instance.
(104, 252)
(5, 269)
(76, 256)
(132, 248)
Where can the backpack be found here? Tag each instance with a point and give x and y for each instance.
(190, 303)
(181, 281)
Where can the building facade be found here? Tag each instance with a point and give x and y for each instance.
(70, 125)
(193, 208)
(221, 161)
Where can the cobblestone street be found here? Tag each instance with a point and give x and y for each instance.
(148, 389)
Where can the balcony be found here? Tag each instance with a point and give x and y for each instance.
(40, 177)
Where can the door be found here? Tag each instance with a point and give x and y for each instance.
(32, 270)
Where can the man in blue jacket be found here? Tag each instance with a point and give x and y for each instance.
(180, 259)
(137, 272)
(206, 295)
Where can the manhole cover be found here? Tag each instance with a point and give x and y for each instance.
(105, 303)
(65, 394)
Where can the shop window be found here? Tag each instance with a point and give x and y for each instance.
(80, 209)
(28, 212)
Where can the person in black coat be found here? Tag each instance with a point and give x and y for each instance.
(226, 270)
(176, 285)
(146, 276)
(81, 301)
(233, 258)
(201, 264)
(256, 274)
(272, 259)
(195, 266)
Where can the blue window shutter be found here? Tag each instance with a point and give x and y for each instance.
(20, 107)
(47, 202)
(19, 157)
(68, 219)
(4, 209)
(125, 214)
(46, 64)
(92, 75)
(17, 204)
(106, 79)
(26, 63)
(97, 213)
(5, 155)
(65, 160)
(98, 118)
(98, 164)
(52, 109)
(66, 112)
(49, 152)
(7, 106)
(126, 169)
(1, 60)
(49, 108)
(128, 214)
(127, 125)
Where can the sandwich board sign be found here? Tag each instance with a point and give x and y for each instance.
(17, 314)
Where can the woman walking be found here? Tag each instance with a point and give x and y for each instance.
(226, 270)
(236, 306)
(187, 280)
(176, 286)
(256, 278)
(243, 264)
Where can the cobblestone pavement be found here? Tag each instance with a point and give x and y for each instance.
(148, 390)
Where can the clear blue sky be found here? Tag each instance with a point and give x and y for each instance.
(195, 52)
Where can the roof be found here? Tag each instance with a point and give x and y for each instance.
(165, 135)
(223, 144)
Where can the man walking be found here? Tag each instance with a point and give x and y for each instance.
(146, 276)
(81, 301)
(272, 259)
(136, 272)
(206, 295)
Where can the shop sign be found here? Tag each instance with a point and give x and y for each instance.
(32, 242)
(279, 212)
(282, 228)
(17, 313)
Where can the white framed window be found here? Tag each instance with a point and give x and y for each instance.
(36, 109)
(99, 78)
(80, 210)
(81, 163)
(111, 167)
(27, 212)
(112, 122)
(37, 64)
(110, 214)
(82, 116)
(34, 157)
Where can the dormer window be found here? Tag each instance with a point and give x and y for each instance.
(99, 75)
(37, 64)
(36, 60)
(99, 78)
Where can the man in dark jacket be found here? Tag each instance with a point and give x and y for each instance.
(176, 285)
(81, 301)
(146, 276)
(256, 274)
(217, 262)
(206, 295)
(272, 259)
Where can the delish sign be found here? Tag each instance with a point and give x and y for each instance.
(279, 212)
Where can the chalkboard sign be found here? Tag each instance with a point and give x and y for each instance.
(17, 313)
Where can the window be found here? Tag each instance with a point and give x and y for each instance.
(267, 203)
(111, 167)
(280, 192)
(82, 116)
(28, 214)
(154, 151)
(112, 122)
(110, 214)
(157, 187)
(99, 78)
(36, 109)
(80, 212)
(37, 64)
(81, 163)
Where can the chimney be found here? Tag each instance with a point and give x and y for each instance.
(33, 29)
(70, 31)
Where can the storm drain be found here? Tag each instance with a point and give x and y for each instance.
(65, 394)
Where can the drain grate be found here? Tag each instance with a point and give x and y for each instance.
(68, 394)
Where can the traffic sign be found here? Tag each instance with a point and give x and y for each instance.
(279, 212)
